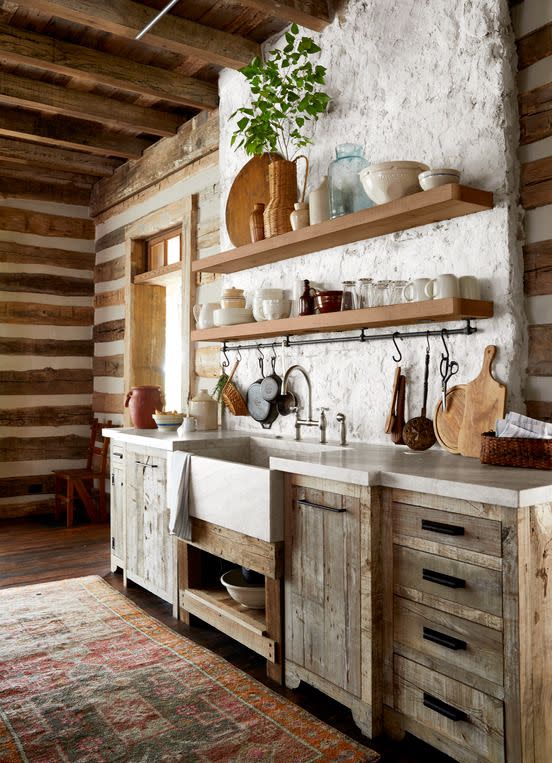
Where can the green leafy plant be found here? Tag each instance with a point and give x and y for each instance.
(286, 96)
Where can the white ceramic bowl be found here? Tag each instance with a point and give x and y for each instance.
(434, 178)
(259, 312)
(391, 180)
(248, 594)
(230, 316)
(168, 422)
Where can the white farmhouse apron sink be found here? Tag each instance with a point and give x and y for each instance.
(239, 491)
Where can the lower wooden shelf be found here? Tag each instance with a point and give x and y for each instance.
(216, 607)
(431, 310)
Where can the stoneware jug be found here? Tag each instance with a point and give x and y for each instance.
(203, 315)
(205, 411)
(319, 203)
(142, 402)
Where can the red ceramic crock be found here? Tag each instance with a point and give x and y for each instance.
(142, 402)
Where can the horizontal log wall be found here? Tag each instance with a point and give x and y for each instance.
(46, 348)
(127, 206)
(533, 28)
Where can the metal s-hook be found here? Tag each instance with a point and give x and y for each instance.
(446, 355)
(261, 359)
(226, 361)
(396, 336)
(238, 355)
(428, 348)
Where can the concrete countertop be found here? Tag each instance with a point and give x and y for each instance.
(434, 471)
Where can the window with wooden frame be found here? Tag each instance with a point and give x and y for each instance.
(164, 249)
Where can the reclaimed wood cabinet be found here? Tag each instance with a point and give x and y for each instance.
(117, 506)
(468, 626)
(140, 541)
(333, 594)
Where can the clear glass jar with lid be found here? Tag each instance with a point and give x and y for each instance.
(346, 192)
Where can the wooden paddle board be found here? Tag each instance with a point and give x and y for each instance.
(447, 423)
(485, 403)
(249, 188)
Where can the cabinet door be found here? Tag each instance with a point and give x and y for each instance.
(149, 558)
(322, 579)
(117, 512)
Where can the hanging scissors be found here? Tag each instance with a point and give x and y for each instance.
(447, 369)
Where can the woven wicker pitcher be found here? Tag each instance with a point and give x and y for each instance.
(282, 183)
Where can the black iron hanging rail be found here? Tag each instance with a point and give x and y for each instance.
(466, 330)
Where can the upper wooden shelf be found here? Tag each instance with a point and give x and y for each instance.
(372, 317)
(441, 203)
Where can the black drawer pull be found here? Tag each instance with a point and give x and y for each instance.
(441, 579)
(443, 640)
(117, 455)
(312, 505)
(442, 528)
(443, 709)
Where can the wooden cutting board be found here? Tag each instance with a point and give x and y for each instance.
(249, 188)
(447, 423)
(485, 403)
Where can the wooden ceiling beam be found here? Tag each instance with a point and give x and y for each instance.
(30, 172)
(126, 18)
(53, 99)
(19, 46)
(46, 157)
(69, 133)
(312, 14)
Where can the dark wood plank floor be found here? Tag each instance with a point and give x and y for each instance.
(37, 550)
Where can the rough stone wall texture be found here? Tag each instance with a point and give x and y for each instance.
(431, 81)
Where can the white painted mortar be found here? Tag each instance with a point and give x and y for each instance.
(430, 80)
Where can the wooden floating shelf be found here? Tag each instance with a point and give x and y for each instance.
(161, 276)
(428, 311)
(443, 203)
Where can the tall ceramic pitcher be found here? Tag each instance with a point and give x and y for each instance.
(203, 314)
(142, 403)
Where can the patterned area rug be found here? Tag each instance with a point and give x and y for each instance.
(85, 675)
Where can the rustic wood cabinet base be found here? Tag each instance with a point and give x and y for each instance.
(259, 630)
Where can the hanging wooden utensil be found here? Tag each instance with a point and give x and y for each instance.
(418, 433)
(447, 423)
(398, 426)
(390, 420)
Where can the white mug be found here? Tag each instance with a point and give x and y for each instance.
(469, 287)
(442, 287)
(415, 290)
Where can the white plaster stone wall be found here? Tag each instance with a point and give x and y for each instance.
(429, 81)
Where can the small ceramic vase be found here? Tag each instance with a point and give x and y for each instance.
(319, 203)
(256, 223)
(300, 216)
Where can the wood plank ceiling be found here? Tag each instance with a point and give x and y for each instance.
(79, 95)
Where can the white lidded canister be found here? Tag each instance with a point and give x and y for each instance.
(205, 411)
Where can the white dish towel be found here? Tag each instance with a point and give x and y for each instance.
(178, 491)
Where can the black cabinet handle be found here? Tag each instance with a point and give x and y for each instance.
(443, 708)
(441, 579)
(442, 528)
(312, 505)
(443, 640)
(117, 455)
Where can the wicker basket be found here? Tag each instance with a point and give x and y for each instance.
(232, 397)
(523, 452)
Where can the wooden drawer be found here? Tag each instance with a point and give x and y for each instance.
(451, 645)
(437, 577)
(448, 528)
(473, 722)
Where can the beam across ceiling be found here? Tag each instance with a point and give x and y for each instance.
(19, 46)
(35, 94)
(126, 18)
(69, 133)
(312, 14)
(47, 157)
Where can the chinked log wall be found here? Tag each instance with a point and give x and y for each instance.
(142, 191)
(533, 27)
(46, 348)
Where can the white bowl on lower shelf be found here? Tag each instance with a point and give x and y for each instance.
(230, 316)
(249, 595)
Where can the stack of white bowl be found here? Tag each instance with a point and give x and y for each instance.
(270, 304)
(232, 309)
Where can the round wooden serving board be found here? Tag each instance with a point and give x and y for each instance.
(249, 188)
(447, 423)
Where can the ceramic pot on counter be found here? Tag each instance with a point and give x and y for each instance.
(205, 411)
(142, 402)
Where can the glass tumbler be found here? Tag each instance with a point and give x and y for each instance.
(364, 291)
(349, 298)
(381, 294)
